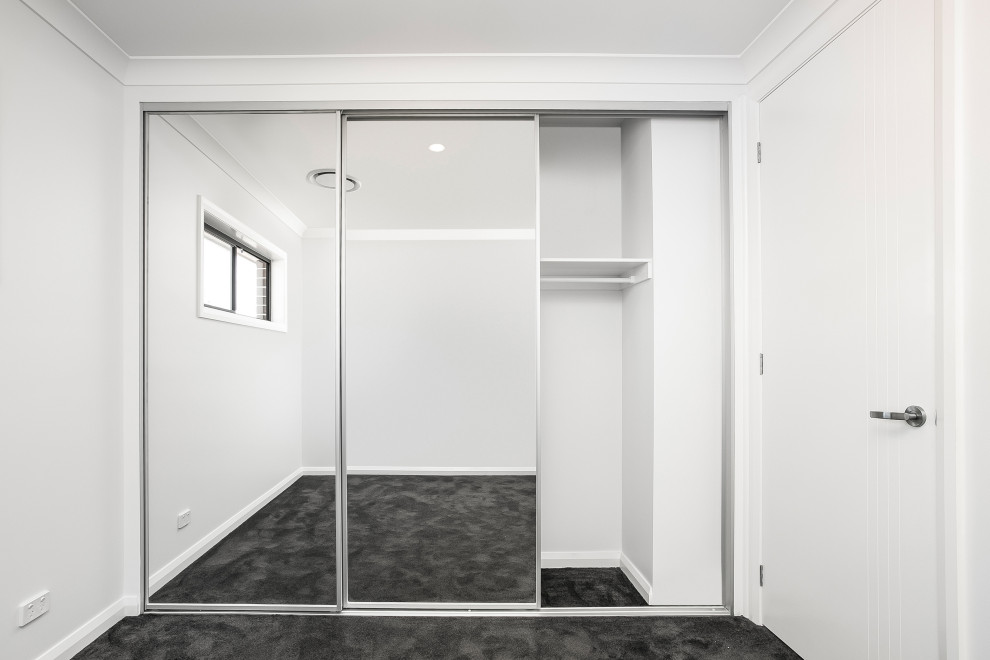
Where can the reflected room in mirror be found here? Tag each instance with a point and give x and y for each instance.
(440, 363)
(240, 367)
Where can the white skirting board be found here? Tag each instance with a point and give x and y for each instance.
(85, 634)
(605, 559)
(317, 471)
(636, 576)
(160, 577)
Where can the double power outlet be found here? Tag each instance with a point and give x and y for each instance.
(32, 609)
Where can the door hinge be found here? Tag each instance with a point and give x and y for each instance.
(761, 575)
(759, 152)
(761, 364)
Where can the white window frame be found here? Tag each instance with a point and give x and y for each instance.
(278, 273)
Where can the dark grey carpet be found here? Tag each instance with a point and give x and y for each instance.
(459, 539)
(588, 587)
(231, 637)
(412, 538)
(285, 553)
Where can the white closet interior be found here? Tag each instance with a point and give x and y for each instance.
(632, 348)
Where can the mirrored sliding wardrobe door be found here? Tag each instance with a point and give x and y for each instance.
(440, 362)
(240, 363)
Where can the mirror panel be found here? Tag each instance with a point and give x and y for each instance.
(240, 360)
(440, 364)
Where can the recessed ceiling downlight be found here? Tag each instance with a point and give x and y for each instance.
(436, 147)
(327, 178)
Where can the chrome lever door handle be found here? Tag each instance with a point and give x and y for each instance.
(913, 415)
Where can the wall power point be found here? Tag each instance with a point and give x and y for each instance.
(184, 518)
(32, 609)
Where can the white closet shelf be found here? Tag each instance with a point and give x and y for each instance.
(606, 274)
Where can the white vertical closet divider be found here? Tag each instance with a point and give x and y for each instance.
(638, 362)
(689, 354)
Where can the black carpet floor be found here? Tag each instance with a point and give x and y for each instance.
(285, 553)
(412, 538)
(231, 637)
(588, 587)
(456, 539)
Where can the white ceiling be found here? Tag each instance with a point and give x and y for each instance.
(217, 28)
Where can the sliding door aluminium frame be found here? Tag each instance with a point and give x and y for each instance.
(343, 575)
(147, 112)
(463, 110)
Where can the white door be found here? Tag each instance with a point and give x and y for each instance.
(848, 244)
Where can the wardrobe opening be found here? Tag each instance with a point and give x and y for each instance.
(439, 361)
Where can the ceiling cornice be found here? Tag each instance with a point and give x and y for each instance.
(787, 26)
(68, 21)
(796, 22)
(823, 21)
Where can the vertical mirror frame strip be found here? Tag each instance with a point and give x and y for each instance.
(341, 471)
(539, 370)
(728, 371)
(340, 474)
(144, 595)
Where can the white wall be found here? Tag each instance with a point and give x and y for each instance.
(688, 286)
(441, 355)
(61, 472)
(319, 348)
(581, 351)
(973, 210)
(580, 191)
(224, 401)
(581, 425)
